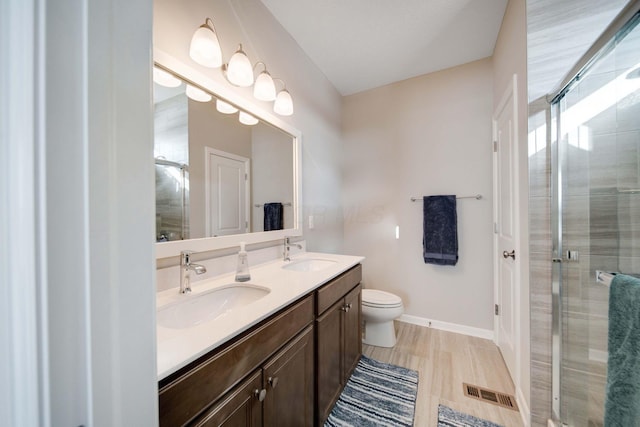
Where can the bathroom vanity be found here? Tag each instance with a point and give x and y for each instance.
(281, 360)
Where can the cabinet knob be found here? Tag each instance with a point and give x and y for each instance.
(260, 394)
(346, 307)
(273, 381)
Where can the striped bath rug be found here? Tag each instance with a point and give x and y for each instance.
(448, 417)
(377, 394)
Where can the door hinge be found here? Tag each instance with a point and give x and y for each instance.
(246, 177)
(495, 146)
(496, 309)
(495, 228)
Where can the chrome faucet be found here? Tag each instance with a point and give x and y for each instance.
(186, 266)
(287, 246)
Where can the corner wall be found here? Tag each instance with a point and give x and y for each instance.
(423, 136)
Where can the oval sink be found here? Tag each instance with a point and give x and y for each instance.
(205, 307)
(309, 264)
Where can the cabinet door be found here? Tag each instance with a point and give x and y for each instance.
(288, 379)
(329, 359)
(352, 332)
(241, 407)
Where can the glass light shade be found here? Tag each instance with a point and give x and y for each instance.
(224, 107)
(239, 70)
(164, 78)
(205, 47)
(265, 88)
(247, 119)
(283, 104)
(197, 94)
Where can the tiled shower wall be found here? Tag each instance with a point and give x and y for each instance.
(540, 265)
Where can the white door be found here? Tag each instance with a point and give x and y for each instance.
(505, 226)
(227, 193)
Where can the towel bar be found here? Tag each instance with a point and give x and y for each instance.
(284, 204)
(477, 197)
(605, 277)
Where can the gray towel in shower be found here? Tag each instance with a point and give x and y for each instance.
(273, 216)
(440, 226)
(622, 401)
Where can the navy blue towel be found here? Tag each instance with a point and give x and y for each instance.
(273, 216)
(440, 239)
(622, 403)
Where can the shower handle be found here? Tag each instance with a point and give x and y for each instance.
(511, 254)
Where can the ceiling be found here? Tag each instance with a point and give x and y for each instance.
(363, 44)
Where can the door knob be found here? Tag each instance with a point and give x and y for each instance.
(511, 254)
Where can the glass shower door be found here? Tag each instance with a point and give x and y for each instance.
(172, 201)
(598, 206)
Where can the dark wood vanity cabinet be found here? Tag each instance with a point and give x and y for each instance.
(287, 371)
(338, 338)
(202, 392)
(289, 381)
(241, 407)
(279, 394)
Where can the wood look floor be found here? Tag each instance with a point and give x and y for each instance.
(444, 361)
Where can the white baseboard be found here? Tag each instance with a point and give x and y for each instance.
(449, 327)
(525, 412)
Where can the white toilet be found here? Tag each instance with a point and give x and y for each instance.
(379, 309)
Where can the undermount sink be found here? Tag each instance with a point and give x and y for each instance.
(205, 307)
(309, 264)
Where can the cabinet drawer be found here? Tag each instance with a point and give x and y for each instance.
(337, 288)
(207, 380)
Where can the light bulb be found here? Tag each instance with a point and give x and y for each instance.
(164, 78)
(224, 107)
(239, 70)
(283, 104)
(265, 88)
(205, 47)
(197, 94)
(247, 119)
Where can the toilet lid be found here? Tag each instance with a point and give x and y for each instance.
(376, 298)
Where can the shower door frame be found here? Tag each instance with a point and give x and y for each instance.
(601, 47)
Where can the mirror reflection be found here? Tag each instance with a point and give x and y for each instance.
(219, 171)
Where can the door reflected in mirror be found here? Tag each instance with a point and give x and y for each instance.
(216, 176)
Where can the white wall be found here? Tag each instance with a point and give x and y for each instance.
(509, 58)
(424, 136)
(317, 103)
(270, 177)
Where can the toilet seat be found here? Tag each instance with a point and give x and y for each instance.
(380, 299)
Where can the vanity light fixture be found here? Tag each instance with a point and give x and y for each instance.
(163, 78)
(239, 71)
(264, 88)
(247, 119)
(224, 107)
(284, 102)
(197, 94)
(205, 50)
(205, 47)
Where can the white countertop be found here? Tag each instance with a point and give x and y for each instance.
(179, 347)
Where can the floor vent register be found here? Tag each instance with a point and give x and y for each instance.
(491, 396)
